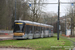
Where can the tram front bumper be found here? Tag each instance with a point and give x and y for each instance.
(18, 37)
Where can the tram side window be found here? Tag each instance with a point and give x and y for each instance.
(47, 28)
(27, 29)
(37, 30)
(52, 29)
(43, 29)
(30, 29)
(34, 29)
(40, 29)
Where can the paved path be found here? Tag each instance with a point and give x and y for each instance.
(6, 37)
(13, 49)
(74, 48)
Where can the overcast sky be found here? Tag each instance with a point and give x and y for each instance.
(54, 7)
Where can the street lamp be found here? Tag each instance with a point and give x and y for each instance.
(30, 8)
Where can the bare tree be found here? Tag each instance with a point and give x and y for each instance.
(35, 9)
(7, 12)
(70, 15)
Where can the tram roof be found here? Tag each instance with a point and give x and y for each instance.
(30, 22)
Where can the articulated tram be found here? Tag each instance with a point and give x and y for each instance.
(29, 30)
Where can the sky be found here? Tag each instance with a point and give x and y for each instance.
(54, 7)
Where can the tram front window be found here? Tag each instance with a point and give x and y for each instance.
(19, 28)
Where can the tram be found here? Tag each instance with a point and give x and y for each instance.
(29, 30)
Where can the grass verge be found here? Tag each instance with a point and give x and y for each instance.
(39, 44)
(73, 39)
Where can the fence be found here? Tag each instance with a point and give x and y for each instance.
(5, 32)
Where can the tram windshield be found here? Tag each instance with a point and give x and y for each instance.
(19, 27)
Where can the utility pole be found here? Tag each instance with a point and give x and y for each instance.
(15, 9)
(72, 20)
(58, 19)
(65, 24)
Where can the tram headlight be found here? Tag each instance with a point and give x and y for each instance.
(23, 34)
